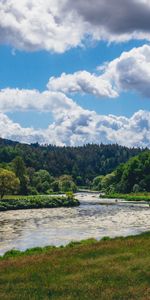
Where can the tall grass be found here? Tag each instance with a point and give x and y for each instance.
(117, 269)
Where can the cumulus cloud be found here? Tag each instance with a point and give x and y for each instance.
(24, 100)
(130, 71)
(74, 126)
(57, 26)
(82, 82)
(14, 131)
(34, 25)
(115, 20)
(84, 127)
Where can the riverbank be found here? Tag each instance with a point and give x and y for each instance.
(32, 202)
(128, 197)
(109, 269)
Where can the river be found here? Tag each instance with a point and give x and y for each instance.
(94, 218)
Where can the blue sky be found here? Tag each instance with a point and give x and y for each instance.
(25, 70)
(76, 46)
(32, 70)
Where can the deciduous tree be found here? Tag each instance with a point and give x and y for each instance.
(9, 183)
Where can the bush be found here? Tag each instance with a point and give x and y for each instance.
(32, 190)
(70, 195)
(36, 202)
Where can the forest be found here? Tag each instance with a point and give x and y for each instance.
(130, 177)
(47, 168)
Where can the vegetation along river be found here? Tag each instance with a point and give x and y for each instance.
(94, 218)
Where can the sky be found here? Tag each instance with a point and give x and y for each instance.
(75, 72)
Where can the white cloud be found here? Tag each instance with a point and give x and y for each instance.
(74, 125)
(130, 71)
(23, 100)
(82, 82)
(14, 131)
(78, 127)
(35, 25)
(86, 126)
(57, 26)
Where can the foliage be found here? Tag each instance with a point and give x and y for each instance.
(136, 188)
(9, 183)
(66, 184)
(128, 197)
(27, 202)
(55, 186)
(41, 181)
(97, 183)
(133, 176)
(46, 169)
(69, 195)
(82, 163)
(21, 172)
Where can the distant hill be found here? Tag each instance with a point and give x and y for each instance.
(5, 142)
(83, 163)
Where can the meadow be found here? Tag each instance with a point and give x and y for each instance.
(116, 269)
(128, 197)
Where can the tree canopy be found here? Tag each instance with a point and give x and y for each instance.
(82, 163)
(9, 183)
(133, 176)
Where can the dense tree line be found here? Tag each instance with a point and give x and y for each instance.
(82, 163)
(132, 176)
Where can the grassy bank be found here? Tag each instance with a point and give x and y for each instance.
(28, 202)
(109, 269)
(128, 197)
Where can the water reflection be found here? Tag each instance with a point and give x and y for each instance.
(58, 226)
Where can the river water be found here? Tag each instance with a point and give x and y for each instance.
(94, 218)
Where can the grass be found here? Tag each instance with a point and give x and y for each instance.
(128, 197)
(117, 269)
(28, 202)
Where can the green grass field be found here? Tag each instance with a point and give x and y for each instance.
(128, 197)
(109, 269)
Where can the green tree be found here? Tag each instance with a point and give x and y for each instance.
(21, 172)
(108, 181)
(9, 183)
(55, 186)
(133, 176)
(67, 184)
(42, 181)
(97, 183)
(136, 188)
(87, 161)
